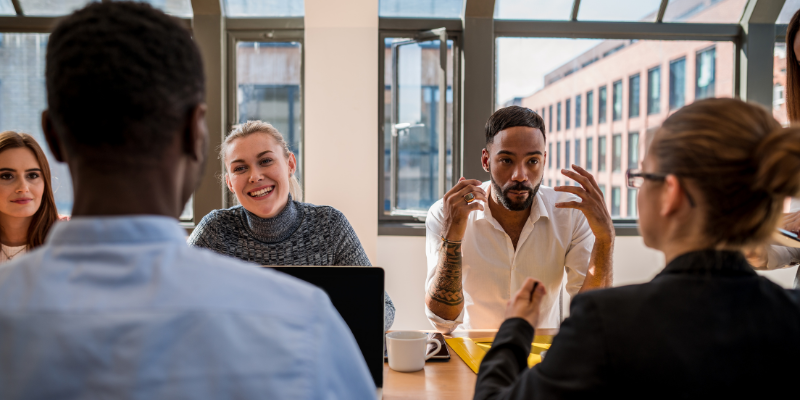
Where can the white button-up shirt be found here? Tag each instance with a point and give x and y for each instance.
(553, 240)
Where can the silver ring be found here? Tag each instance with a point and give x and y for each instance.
(469, 198)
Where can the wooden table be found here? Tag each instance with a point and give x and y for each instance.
(439, 380)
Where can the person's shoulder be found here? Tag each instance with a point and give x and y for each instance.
(221, 215)
(321, 214)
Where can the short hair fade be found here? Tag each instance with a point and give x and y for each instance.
(511, 116)
(122, 78)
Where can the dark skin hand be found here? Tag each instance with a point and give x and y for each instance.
(158, 187)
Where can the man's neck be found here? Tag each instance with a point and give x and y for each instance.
(509, 220)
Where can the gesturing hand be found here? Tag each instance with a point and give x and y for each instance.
(592, 205)
(526, 303)
(456, 208)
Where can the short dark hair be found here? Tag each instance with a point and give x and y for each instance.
(122, 78)
(511, 116)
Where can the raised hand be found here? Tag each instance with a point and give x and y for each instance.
(592, 203)
(456, 208)
(527, 302)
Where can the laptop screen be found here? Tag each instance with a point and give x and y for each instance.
(357, 293)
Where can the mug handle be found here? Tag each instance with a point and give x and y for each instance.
(433, 353)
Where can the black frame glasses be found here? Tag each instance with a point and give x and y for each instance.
(635, 178)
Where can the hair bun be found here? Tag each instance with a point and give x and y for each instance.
(777, 160)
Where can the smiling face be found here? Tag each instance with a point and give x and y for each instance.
(515, 160)
(21, 183)
(257, 172)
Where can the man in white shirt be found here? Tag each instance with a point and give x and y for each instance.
(485, 239)
(115, 304)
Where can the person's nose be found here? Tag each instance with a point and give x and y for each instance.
(520, 174)
(22, 187)
(256, 176)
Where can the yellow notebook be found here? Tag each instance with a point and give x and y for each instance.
(472, 350)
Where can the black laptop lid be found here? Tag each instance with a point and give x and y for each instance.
(357, 293)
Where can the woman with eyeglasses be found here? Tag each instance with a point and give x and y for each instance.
(707, 326)
(769, 257)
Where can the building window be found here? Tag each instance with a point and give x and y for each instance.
(589, 153)
(550, 182)
(550, 118)
(578, 111)
(567, 117)
(601, 118)
(550, 158)
(603, 190)
(633, 150)
(566, 155)
(577, 152)
(558, 182)
(616, 156)
(589, 108)
(632, 213)
(601, 153)
(778, 97)
(617, 97)
(633, 96)
(677, 83)
(558, 116)
(558, 155)
(542, 115)
(706, 66)
(654, 91)
(615, 200)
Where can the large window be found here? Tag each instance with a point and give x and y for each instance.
(654, 91)
(589, 108)
(633, 150)
(603, 101)
(617, 101)
(633, 96)
(601, 153)
(589, 153)
(616, 156)
(705, 72)
(677, 83)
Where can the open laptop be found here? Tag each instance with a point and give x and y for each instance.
(357, 293)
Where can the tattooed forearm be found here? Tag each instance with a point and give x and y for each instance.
(445, 296)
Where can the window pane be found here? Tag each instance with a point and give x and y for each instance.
(616, 157)
(589, 108)
(615, 200)
(558, 116)
(779, 84)
(633, 96)
(51, 7)
(578, 111)
(617, 100)
(421, 8)
(558, 155)
(268, 89)
(22, 100)
(633, 150)
(705, 11)
(603, 105)
(654, 91)
(589, 154)
(601, 153)
(264, 8)
(577, 152)
(550, 157)
(567, 117)
(418, 140)
(618, 10)
(705, 71)
(550, 118)
(632, 212)
(179, 8)
(677, 83)
(6, 8)
(567, 161)
(551, 10)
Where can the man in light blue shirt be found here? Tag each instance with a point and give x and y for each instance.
(115, 304)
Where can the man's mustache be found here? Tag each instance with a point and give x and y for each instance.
(519, 186)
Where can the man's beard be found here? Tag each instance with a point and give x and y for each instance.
(501, 195)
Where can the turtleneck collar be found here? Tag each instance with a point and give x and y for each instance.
(277, 228)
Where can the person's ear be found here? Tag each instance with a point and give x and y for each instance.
(485, 159)
(228, 183)
(50, 135)
(292, 164)
(195, 138)
(671, 196)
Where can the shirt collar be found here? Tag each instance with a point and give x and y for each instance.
(538, 208)
(709, 262)
(126, 229)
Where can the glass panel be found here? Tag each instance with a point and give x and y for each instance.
(558, 116)
(706, 74)
(551, 10)
(618, 10)
(420, 8)
(51, 7)
(567, 161)
(633, 150)
(578, 111)
(179, 8)
(268, 89)
(264, 8)
(550, 157)
(594, 75)
(779, 84)
(558, 155)
(787, 12)
(418, 155)
(615, 200)
(550, 118)
(632, 213)
(22, 99)
(705, 11)
(567, 118)
(6, 8)
(577, 152)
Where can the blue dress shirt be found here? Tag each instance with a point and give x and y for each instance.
(123, 308)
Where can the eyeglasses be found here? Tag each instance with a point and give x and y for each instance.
(635, 179)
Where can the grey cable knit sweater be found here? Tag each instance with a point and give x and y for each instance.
(301, 234)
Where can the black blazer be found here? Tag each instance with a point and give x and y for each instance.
(706, 327)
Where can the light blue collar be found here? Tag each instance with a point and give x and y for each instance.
(116, 229)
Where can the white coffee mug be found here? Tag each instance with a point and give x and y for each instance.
(407, 350)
